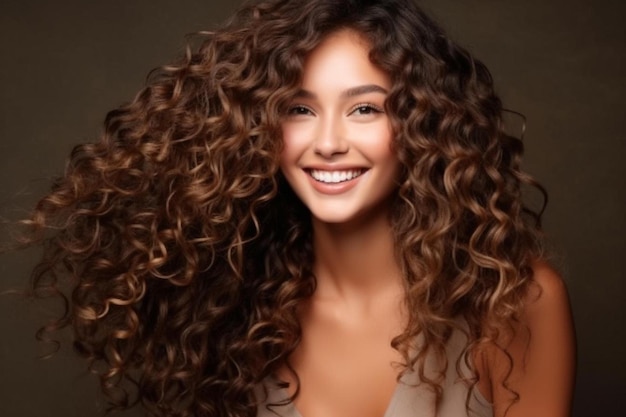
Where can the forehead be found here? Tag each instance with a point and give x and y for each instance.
(340, 57)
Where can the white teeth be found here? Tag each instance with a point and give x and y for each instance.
(333, 177)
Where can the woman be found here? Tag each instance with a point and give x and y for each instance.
(317, 213)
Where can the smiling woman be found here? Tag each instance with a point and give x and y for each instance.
(338, 155)
(318, 212)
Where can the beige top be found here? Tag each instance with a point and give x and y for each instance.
(409, 399)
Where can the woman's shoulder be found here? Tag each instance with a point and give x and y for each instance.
(532, 372)
(549, 290)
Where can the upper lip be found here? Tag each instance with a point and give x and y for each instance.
(338, 167)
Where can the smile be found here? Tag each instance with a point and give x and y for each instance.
(335, 177)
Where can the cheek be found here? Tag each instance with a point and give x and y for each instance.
(294, 144)
(287, 148)
(288, 155)
(378, 141)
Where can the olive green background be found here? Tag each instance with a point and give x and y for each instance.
(560, 62)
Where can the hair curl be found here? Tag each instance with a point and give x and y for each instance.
(187, 254)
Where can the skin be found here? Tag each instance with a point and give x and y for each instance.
(544, 363)
(337, 122)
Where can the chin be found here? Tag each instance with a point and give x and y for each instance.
(333, 219)
(357, 217)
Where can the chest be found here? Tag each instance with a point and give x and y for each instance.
(346, 367)
(349, 371)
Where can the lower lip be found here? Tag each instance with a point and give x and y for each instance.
(334, 188)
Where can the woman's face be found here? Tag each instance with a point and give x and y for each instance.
(337, 153)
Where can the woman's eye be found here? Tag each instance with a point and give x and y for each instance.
(364, 109)
(299, 111)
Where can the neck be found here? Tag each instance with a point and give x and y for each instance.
(355, 262)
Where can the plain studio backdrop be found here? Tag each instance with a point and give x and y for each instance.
(560, 62)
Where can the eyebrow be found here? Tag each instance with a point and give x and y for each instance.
(350, 92)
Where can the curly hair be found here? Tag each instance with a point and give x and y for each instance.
(182, 254)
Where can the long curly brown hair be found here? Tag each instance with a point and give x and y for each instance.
(183, 255)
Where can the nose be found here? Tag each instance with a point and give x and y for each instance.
(330, 138)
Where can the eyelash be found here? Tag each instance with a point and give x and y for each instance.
(367, 106)
(300, 109)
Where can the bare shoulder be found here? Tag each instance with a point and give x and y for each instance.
(549, 292)
(534, 375)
